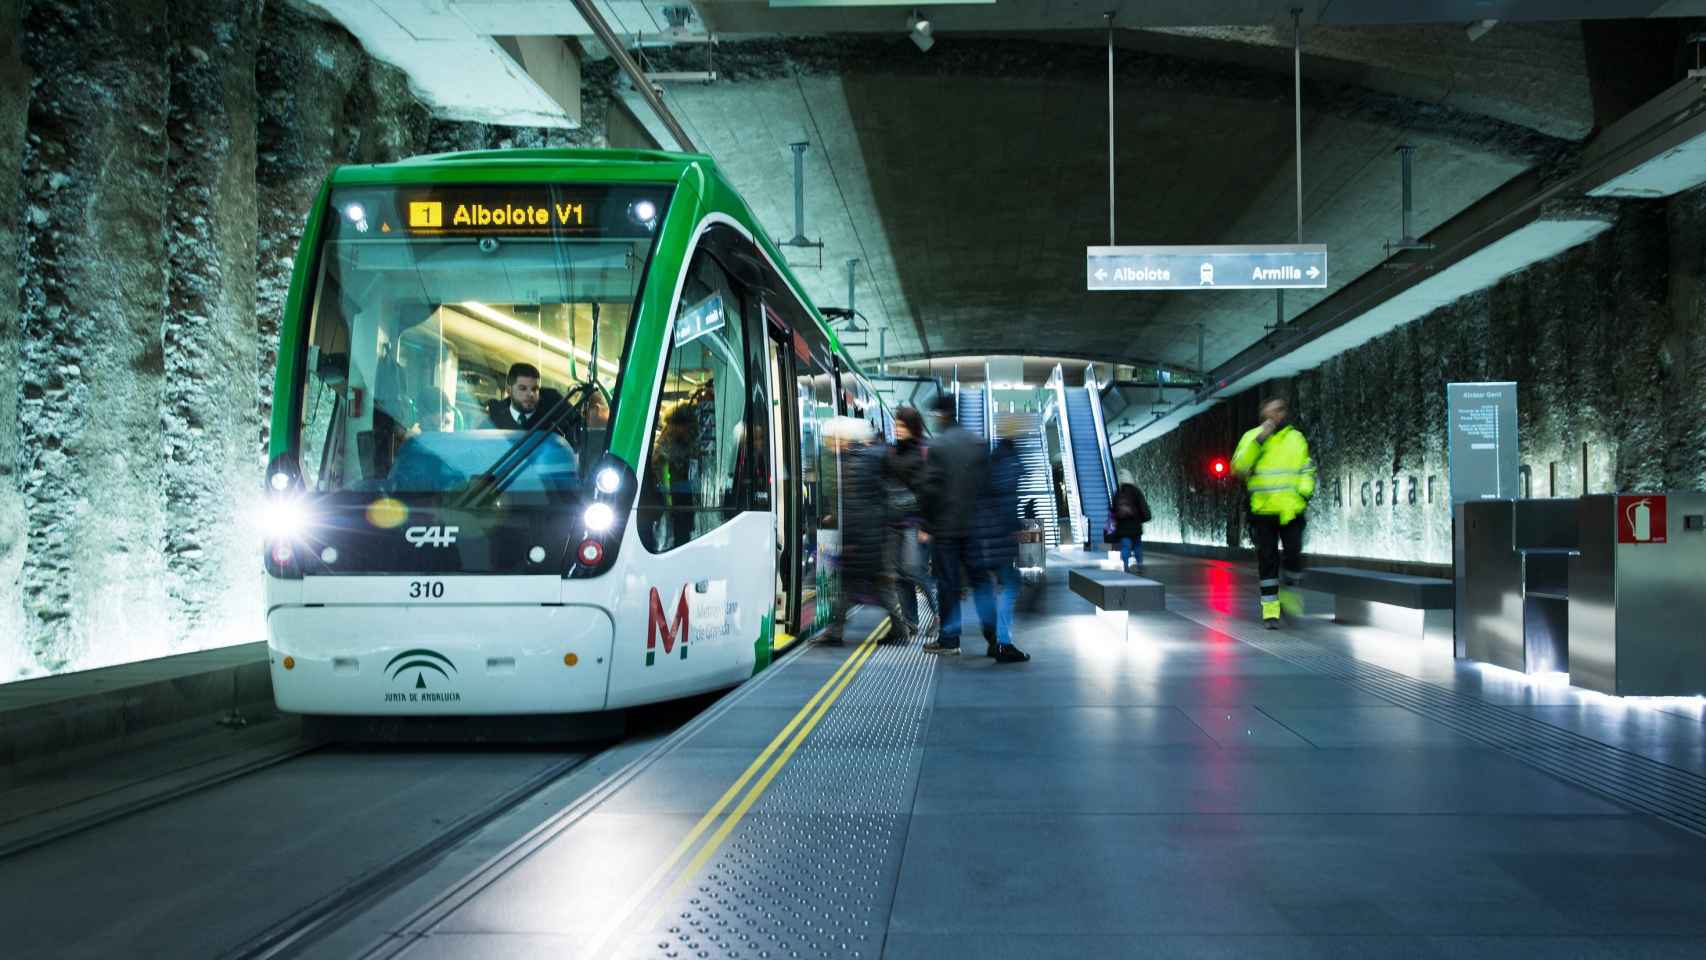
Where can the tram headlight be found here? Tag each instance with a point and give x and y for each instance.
(609, 481)
(599, 518)
(355, 212)
(283, 519)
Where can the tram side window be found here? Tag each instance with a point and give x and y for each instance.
(693, 475)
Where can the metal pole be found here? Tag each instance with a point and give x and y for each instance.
(799, 190)
(883, 351)
(852, 266)
(1109, 16)
(1297, 96)
(1202, 371)
(606, 36)
(1404, 154)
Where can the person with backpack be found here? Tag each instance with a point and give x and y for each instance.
(1126, 517)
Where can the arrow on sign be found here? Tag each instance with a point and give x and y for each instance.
(1101, 274)
(1314, 272)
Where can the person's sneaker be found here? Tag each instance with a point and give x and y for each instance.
(1007, 653)
(989, 638)
(942, 648)
(1272, 623)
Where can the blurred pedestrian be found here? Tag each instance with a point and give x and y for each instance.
(863, 517)
(957, 462)
(904, 472)
(995, 545)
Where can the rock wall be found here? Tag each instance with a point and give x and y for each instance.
(157, 163)
(14, 105)
(1607, 343)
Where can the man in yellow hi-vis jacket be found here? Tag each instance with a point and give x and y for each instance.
(1273, 459)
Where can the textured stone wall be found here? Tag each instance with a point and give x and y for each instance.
(14, 103)
(157, 164)
(1607, 343)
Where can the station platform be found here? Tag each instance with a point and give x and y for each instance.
(1182, 784)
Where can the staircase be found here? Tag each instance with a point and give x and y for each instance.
(970, 410)
(1087, 459)
(1037, 480)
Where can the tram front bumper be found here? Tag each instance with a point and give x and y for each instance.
(403, 659)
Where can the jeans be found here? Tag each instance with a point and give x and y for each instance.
(1131, 551)
(906, 558)
(950, 567)
(993, 607)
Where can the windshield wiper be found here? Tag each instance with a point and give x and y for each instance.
(489, 485)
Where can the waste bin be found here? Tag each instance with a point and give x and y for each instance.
(1638, 595)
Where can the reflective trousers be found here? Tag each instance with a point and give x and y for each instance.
(1274, 570)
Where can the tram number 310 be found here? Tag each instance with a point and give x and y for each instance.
(426, 590)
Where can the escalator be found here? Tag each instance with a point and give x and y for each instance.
(970, 410)
(1089, 446)
(1036, 483)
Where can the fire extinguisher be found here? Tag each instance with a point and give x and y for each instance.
(1641, 519)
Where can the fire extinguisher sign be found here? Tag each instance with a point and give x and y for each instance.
(1640, 519)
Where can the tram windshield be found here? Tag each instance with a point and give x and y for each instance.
(451, 326)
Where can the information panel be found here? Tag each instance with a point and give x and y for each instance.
(1482, 441)
(1286, 266)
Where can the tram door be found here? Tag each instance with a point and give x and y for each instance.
(784, 430)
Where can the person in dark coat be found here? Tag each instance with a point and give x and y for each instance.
(863, 517)
(909, 498)
(995, 546)
(1126, 517)
(956, 463)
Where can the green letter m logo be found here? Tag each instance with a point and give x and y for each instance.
(671, 630)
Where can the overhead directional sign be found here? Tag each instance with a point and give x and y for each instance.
(1286, 266)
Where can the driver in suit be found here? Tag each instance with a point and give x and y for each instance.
(525, 402)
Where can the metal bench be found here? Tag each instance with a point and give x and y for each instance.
(1421, 606)
(1112, 590)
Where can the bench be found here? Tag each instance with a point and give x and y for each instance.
(1112, 590)
(1419, 606)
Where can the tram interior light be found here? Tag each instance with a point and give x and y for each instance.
(609, 481)
(920, 31)
(355, 212)
(600, 518)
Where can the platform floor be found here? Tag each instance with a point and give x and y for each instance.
(1189, 786)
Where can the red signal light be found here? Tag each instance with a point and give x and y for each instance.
(1218, 466)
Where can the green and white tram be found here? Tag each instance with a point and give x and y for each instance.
(653, 531)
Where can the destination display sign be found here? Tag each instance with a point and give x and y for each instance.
(441, 211)
(1288, 266)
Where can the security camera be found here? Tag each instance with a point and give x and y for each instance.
(918, 29)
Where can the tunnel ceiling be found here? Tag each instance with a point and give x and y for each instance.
(969, 180)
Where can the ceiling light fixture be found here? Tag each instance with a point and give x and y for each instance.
(918, 29)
